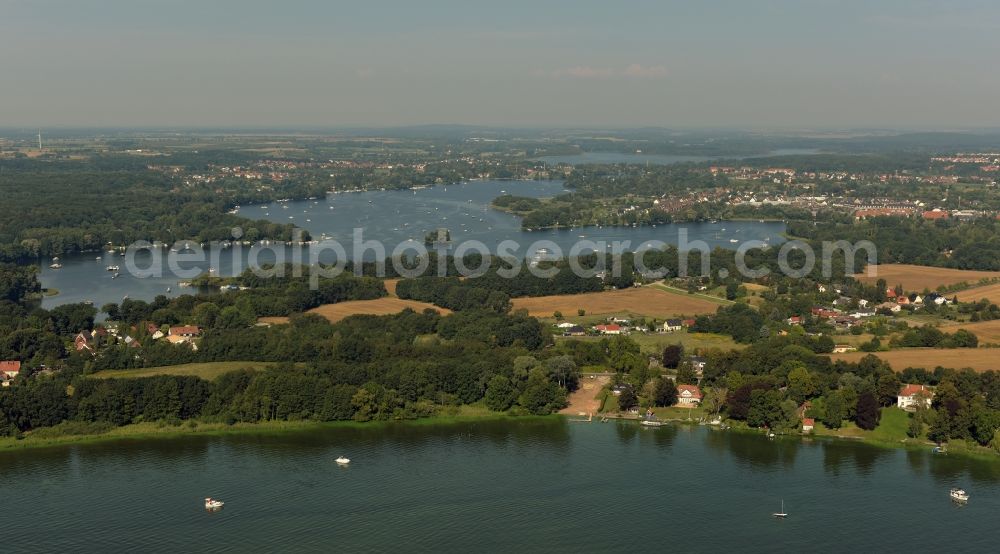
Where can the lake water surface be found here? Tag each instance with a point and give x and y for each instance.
(390, 217)
(494, 486)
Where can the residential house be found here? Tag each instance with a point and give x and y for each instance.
(697, 362)
(794, 320)
(911, 396)
(808, 424)
(177, 339)
(688, 396)
(891, 306)
(574, 331)
(186, 331)
(843, 302)
(841, 348)
(10, 369)
(84, 340)
(565, 325)
(824, 313)
(672, 325)
(688, 323)
(844, 321)
(610, 329)
(936, 213)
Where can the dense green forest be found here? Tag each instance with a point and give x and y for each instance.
(961, 245)
(73, 207)
(363, 368)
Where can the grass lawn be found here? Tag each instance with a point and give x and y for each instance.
(710, 297)
(653, 343)
(676, 412)
(891, 428)
(206, 370)
(610, 404)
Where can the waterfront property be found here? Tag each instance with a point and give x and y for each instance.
(912, 396)
(688, 396)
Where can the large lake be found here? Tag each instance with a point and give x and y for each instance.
(503, 486)
(391, 217)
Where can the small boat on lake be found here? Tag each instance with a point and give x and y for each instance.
(651, 423)
(959, 495)
(343, 461)
(56, 265)
(213, 504)
(781, 514)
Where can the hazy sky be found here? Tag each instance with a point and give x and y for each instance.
(694, 63)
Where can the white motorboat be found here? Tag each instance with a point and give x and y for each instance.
(343, 461)
(651, 423)
(959, 495)
(213, 504)
(56, 265)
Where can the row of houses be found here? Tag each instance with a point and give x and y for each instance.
(620, 326)
(90, 341)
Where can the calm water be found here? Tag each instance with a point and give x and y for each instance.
(549, 486)
(388, 216)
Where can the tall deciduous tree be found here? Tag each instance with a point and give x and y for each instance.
(665, 393)
(867, 411)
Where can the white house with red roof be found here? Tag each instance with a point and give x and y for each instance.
(911, 396)
(688, 396)
(610, 329)
(808, 424)
(9, 370)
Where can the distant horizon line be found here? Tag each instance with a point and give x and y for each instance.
(291, 128)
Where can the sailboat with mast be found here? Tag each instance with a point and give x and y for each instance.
(781, 514)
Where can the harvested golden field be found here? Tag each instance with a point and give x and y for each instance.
(380, 306)
(987, 331)
(979, 359)
(646, 301)
(989, 292)
(920, 277)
